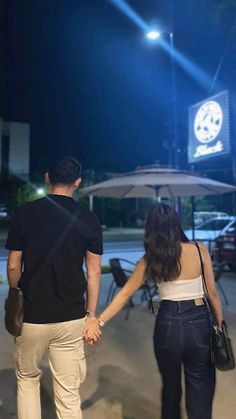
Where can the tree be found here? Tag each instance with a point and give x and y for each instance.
(26, 193)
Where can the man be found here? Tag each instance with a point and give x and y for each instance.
(49, 240)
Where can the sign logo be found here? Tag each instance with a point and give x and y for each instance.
(209, 128)
(208, 122)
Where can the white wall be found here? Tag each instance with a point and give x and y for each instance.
(1, 123)
(19, 149)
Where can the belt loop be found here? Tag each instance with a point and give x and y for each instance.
(179, 306)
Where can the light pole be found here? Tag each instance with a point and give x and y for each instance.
(175, 143)
(154, 35)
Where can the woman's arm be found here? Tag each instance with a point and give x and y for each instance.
(211, 285)
(134, 282)
(123, 296)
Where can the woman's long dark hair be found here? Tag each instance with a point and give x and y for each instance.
(163, 238)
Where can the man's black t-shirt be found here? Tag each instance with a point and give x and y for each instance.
(53, 282)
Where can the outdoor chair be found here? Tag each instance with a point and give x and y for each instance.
(120, 275)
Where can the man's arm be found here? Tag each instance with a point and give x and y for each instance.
(14, 267)
(93, 266)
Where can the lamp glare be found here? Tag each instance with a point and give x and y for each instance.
(153, 35)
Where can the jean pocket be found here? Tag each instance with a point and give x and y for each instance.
(201, 332)
(162, 333)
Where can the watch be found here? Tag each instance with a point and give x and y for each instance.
(101, 322)
(90, 314)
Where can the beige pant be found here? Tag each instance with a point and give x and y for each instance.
(64, 344)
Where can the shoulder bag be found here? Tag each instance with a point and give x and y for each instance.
(14, 311)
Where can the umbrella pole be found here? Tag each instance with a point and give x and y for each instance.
(178, 204)
(192, 216)
(91, 202)
(157, 193)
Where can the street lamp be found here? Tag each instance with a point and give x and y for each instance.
(154, 35)
(40, 191)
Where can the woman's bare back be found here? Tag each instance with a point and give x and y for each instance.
(190, 262)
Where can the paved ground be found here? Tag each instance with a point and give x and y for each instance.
(123, 381)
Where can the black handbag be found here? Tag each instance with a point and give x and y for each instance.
(222, 354)
(14, 311)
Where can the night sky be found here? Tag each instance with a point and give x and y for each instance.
(90, 85)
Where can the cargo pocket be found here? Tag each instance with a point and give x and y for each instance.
(81, 367)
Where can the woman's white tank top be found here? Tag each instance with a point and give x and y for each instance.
(181, 289)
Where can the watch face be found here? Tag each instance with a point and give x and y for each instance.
(101, 322)
(208, 122)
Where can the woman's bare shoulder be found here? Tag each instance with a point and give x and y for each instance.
(192, 244)
(202, 247)
(205, 253)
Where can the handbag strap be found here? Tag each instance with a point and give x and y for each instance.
(210, 307)
(202, 269)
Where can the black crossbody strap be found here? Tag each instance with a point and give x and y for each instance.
(210, 307)
(58, 243)
(64, 234)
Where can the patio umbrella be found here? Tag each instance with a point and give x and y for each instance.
(153, 182)
(157, 182)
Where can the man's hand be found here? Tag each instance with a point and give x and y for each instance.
(91, 332)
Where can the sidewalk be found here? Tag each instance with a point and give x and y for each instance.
(123, 381)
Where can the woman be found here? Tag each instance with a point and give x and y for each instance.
(183, 325)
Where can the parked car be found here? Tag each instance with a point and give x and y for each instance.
(211, 230)
(201, 217)
(225, 250)
(3, 211)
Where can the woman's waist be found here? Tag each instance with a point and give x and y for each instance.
(181, 296)
(194, 306)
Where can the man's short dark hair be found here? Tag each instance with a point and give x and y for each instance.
(64, 171)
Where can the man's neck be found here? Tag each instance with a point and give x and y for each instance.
(62, 190)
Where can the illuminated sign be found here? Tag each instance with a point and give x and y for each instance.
(209, 128)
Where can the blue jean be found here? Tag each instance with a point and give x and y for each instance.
(182, 338)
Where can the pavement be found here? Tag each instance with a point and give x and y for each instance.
(123, 381)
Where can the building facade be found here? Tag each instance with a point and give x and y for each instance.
(14, 150)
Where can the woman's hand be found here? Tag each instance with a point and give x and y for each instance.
(219, 328)
(92, 332)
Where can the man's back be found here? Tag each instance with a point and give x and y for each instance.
(48, 242)
(52, 279)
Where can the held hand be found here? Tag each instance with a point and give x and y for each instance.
(92, 330)
(95, 339)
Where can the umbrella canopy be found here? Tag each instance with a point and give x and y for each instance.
(153, 182)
